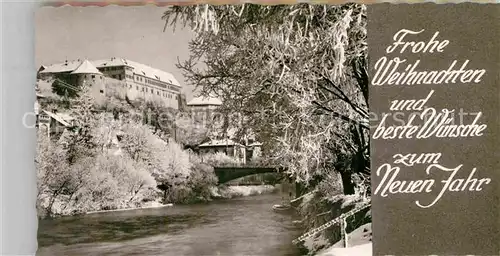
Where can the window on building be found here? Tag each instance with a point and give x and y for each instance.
(137, 87)
(101, 91)
(130, 86)
(93, 76)
(157, 93)
(151, 90)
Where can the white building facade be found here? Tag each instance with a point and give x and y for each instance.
(123, 77)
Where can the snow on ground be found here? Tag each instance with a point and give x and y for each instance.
(229, 192)
(359, 250)
(148, 205)
(359, 244)
(237, 191)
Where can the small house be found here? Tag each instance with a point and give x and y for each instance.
(226, 146)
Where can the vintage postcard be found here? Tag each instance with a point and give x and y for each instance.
(267, 130)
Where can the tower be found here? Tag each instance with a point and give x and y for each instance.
(88, 75)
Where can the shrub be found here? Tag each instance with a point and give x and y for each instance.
(219, 159)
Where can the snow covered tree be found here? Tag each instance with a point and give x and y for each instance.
(188, 131)
(295, 73)
(53, 176)
(172, 168)
(81, 143)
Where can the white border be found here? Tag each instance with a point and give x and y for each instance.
(18, 218)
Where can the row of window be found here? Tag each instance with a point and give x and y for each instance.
(173, 88)
(156, 83)
(110, 68)
(138, 78)
(153, 82)
(147, 81)
(152, 91)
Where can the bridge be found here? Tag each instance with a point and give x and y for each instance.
(228, 173)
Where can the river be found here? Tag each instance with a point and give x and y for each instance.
(240, 226)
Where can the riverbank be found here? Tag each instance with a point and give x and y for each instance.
(228, 192)
(331, 208)
(359, 244)
(359, 250)
(150, 205)
(222, 192)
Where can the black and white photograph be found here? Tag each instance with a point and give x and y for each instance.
(249, 128)
(203, 130)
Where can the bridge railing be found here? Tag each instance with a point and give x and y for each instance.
(339, 220)
(250, 164)
(246, 166)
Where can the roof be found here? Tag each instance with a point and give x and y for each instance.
(223, 142)
(86, 68)
(200, 101)
(138, 68)
(65, 116)
(58, 117)
(255, 144)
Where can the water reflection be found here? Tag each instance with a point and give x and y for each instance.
(244, 226)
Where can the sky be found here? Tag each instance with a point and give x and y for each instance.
(134, 33)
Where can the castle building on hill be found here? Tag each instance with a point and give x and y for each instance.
(116, 76)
